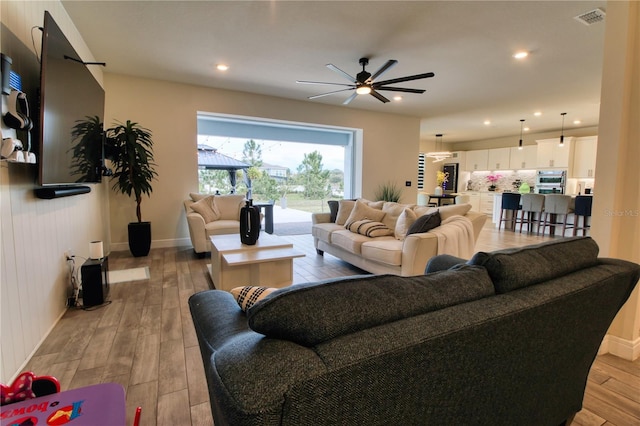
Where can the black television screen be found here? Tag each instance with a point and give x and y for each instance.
(68, 93)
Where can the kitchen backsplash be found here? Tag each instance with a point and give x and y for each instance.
(478, 180)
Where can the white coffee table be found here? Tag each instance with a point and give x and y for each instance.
(268, 263)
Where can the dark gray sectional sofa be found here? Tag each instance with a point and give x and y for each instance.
(507, 338)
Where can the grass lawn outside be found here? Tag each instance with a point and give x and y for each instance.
(298, 202)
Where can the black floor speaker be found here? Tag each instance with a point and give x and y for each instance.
(95, 283)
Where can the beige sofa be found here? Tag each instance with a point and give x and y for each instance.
(397, 252)
(212, 215)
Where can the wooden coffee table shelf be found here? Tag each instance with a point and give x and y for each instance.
(268, 263)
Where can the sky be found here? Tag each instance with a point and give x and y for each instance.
(285, 154)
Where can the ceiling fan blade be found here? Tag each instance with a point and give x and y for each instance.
(402, 79)
(386, 67)
(350, 98)
(322, 82)
(400, 89)
(379, 96)
(342, 73)
(330, 93)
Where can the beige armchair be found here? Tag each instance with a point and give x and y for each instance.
(212, 215)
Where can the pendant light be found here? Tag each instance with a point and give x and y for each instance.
(438, 155)
(521, 124)
(562, 131)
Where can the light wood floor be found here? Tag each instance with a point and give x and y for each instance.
(144, 339)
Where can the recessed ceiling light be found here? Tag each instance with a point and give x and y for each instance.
(521, 55)
(526, 129)
(537, 113)
(487, 122)
(577, 122)
(397, 98)
(222, 67)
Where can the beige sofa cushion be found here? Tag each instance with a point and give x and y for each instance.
(349, 241)
(323, 231)
(219, 227)
(387, 251)
(229, 206)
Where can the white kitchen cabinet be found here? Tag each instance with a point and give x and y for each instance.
(525, 158)
(486, 203)
(474, 200)
(584, 157)
(477, 160)
(457, 157)
(499, 158)
(550, 155)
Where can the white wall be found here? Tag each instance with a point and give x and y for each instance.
(36, 233)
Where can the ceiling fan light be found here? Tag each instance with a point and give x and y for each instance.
(363, 90)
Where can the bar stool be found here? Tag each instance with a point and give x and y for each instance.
(511, 202)
(554, 205)
(582, 209)
(532, 204)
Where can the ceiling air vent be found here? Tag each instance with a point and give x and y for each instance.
(591, 17)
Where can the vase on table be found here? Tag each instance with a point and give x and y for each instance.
(437, 190)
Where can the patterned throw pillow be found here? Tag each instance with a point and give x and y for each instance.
(250, 295)
(206, 208)
(362, 211)
(370, 228)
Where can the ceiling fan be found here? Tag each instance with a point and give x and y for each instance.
(365, 83)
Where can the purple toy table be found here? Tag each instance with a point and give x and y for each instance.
(97, 405)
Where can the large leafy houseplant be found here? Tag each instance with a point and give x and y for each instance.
(133, 172)
(88, 149)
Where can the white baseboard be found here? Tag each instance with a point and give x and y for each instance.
(35, 349)
(622, 348)
(177, 242)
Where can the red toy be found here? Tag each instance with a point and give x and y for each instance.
(27, 386)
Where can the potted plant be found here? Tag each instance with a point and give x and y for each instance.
(388, 192)
(133, 171)
(493, 179)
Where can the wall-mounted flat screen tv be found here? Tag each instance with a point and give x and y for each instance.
(68, 93)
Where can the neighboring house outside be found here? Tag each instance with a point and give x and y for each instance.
(279, 173)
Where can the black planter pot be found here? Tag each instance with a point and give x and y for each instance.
(139, 238)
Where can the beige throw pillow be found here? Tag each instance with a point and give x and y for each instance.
(206, 208)
(344, 210)
(196, 196)
(404, 222)
(362, 211)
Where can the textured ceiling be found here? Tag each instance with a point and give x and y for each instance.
(468, 45)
